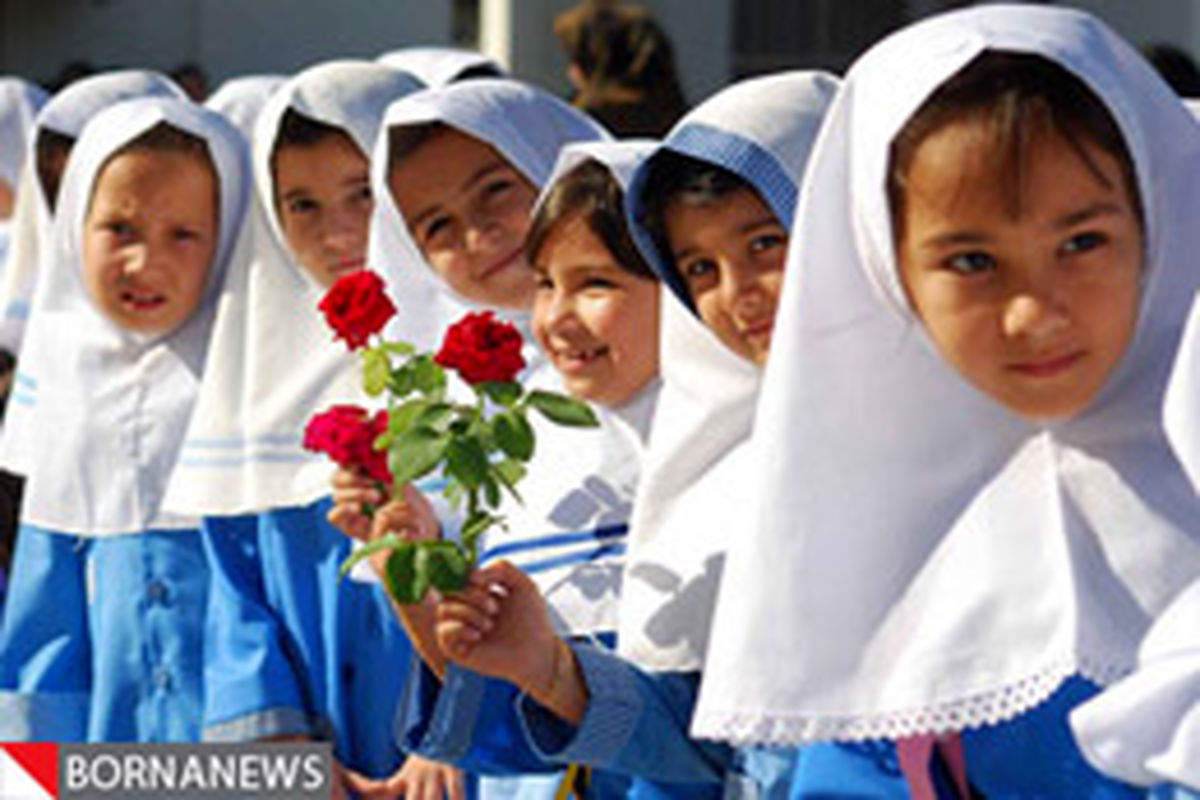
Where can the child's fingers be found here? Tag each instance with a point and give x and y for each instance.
(350, 522)
(358, 496)
(457, 640)
(455, 788)
(480, 619)
(500, 578)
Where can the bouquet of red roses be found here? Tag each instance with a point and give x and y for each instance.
(481, 447)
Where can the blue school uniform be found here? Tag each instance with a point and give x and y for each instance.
(294, 650)
(123, 663)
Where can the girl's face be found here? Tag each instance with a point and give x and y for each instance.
(1035, 309)
(596, 322)
(323, 200)
(149, 238)
(468, 211)
(731, 253)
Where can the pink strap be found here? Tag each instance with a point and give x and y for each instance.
(915, 754)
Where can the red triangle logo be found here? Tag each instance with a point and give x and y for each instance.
(38, 759)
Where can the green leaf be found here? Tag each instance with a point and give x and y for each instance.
(514, 434)
(428, 376)
(397, 348)
(505, 393)
(475, 526)
(376, 370)
(444, 565)
(562, 409)
(491, 490)
(405, 415)
(415, 453)
(454, 493)
(467, 461)
(404, 581)
(386, 542)
(402, 381)
(510, 472)
(437, 416)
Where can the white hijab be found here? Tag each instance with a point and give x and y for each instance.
(525, 125)
(762, 130)
(240, 99)
(66, 113)
(273, 362)
(1146, 729)
(109, 406)
(570, 533)
(438, 66)
(919, 559)
(1183, 398)
(20, 101)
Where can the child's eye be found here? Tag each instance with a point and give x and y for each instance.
(435, 227)
(302, 205)
(971, 263)
(1083, 242)
(121, 230)
(363, 194)
(767, 241)
(543, 282)
(698, 268)
(599, 283)
(185, 235)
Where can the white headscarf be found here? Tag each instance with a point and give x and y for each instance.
(917, 558)
(1146, 729)
(570, 533)
(240, 99)
(66, 113)
(762, 130)
(19, 104)
(109, 406)
(438, 66)
(273, 361)
(1183, 398)
(525, 125)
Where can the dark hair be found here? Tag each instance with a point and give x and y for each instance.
(166, 138)
(479, 71)
(50, 159)
(298, 130)
(589, 192)
(1019, 99)
(673, 177)
(628, 66)
(404, 140)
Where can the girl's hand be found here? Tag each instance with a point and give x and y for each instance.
(422, 779)
(499, 626)
(353, 496)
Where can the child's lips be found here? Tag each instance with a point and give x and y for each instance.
(758, 330)
(577, 359)
(1047, 367)
(351, 265)
(500, 265)
(141, 300)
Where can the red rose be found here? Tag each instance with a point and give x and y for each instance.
(482, 349)
(356, 307)
(347, 435)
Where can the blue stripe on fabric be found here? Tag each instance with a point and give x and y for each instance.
(584, 557)
(233, 461)
(17, 309)
(23, 399)
(231, 443)
(556, 540)
(25, 381)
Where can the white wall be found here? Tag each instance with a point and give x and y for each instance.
(226, 37)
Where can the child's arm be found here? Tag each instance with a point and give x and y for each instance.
(582, 704)
(411, 517)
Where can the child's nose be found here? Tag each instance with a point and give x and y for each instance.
(1035, 317)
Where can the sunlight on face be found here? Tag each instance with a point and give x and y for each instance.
(323, 201)
(731, 254)
(1035, 310)
(149, 238)
(597, 323)
(468, 211)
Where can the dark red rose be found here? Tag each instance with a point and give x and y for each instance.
(481, 349)
(356, 307)
(347, 435)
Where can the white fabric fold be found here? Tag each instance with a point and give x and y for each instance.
(108, 407)
(762, 130)
(915, 558)
(438, 66)
(273, 361)
(241, 99)
(1182, 411)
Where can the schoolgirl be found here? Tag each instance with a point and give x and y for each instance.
(102, 632)
(291, 650)
(240, 99)
(721, 252)
(964, 511)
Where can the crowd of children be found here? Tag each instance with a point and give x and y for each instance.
(895, 484)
